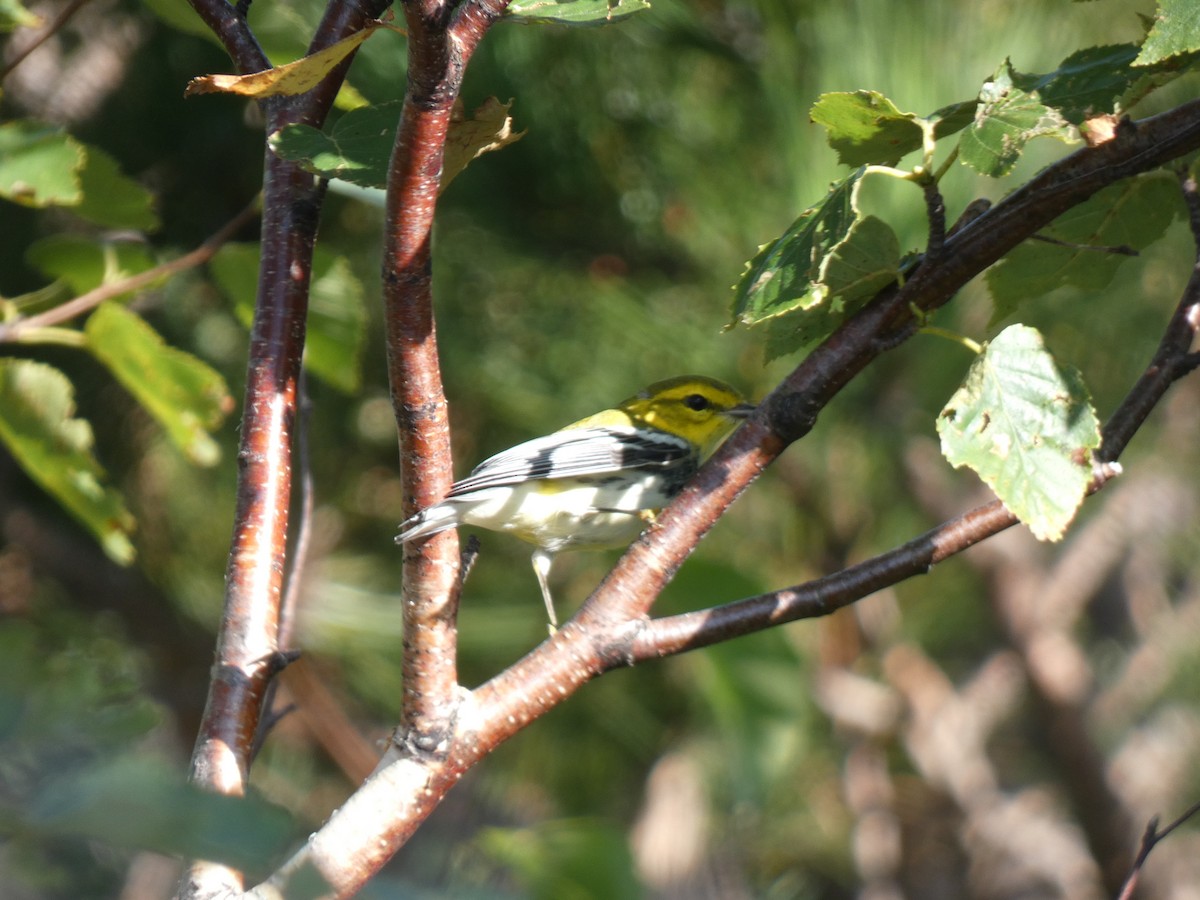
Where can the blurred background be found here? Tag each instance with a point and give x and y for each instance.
(1001, 728)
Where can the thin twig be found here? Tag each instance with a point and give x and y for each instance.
(1150, 838)
(12, 331)
(59, 21)
(1118, 250)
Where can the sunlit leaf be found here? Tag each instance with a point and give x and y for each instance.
(112, 199)
(830, 261)
(359, 146)
(1176, 30)
(1008, 118)
(786, 273)
(1024, 423)
(38, 424)
(866, 128)
(85, 264)
(39, 164)
(291, 78)
(574, 12)
(184, 395)
(1132, 214)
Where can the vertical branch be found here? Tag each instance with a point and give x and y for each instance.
(440, 45)
(248, 639)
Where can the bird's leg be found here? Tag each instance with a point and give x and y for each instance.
(542, 561)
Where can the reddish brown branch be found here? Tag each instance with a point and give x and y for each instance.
(439, 49)
(248, 641)
(611, 630)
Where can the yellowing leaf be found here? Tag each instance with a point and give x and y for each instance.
(489, 128)
(292, 78)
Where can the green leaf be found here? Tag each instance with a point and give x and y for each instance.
(184, 395)
(1008, 118)
(1025, 424)
(13, 16)
(39, 164)
(1176, 30)
(38, 424)
(866, 128)
(830, 261)
(574, 12)
(864, 263)
(566, 858)
(359, 147)
(786, 273)
(141, 804)
(337, 324)
(336, 316)
(110, 198)
(1133, 213)
(85, 264)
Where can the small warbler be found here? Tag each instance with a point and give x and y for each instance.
(598, 482)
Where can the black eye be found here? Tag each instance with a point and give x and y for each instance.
(696, 402)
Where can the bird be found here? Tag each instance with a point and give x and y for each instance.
(598, 482)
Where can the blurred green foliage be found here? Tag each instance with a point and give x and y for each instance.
(594, 256)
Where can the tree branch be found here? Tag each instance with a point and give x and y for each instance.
(611, 629)
(64, 312)
(248, 641)
(439, 50)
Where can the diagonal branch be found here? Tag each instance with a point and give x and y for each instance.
(12, 331)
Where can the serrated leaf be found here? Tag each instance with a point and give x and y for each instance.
(830, 262)
(489, 128)
(573, 12)
(1133, 214)
(39, 165)
(866, 128)
(864, 263)
(1176, 30)
(1024, 423)
(183, 394)
(786, 273)
(790, 334)
(337, 316)
(111, 198)
(85, 264)
(289, 79)
(359, 146)
(38, 425)
(1008, 117)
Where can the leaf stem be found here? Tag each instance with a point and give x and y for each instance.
(953, 336)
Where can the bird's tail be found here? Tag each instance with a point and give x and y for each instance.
(427, 522)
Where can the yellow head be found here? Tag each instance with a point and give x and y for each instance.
(700, 410)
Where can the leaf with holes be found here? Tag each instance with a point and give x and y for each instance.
(1025, 424)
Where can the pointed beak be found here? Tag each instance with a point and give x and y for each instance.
(741, 411)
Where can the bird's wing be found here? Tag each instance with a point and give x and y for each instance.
(578, 453)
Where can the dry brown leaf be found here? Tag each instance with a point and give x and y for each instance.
(292, 78)
(489, 128)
